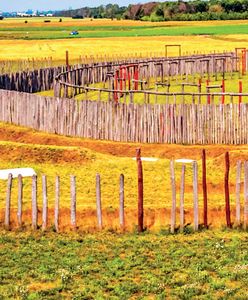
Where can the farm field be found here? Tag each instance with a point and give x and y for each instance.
(37, 39)
(205, 265)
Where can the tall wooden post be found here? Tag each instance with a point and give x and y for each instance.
(182, 198)
(140, 191)
(240, 91)
(204, 189)
(34, 203)
(44, 203)
(173, 194)
(8, 203)
(227, 196)
(195, 191)
(56, 204)
(238, 185)
(246, 195)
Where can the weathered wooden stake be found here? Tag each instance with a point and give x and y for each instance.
(195, 191)
(246, 195)
(73, 202)
(140, 191)
(173, 190)
(98, 201)
(204, 189)
(34, 203)
(227, 196)
(44, 203)
(67, 60)
(122, 220)
(238, 184)
(19, 201)
(56, 207)
(8, 203)
(182, 198)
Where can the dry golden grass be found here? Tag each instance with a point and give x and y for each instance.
(21, 49)
(123, 46)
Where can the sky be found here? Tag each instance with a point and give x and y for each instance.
(22, 5)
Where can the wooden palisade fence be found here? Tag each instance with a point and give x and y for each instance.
(148, 123)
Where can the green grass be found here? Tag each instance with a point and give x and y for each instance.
(62, 32)
(109, 266)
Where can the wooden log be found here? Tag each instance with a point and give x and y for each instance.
(122, 218)
(246, 195)
(204, 189)
(34, 203)
(173, 190)
(8, 203)
(98, 201)
(73, 202)
(44, 203)
(56, 206)
(19, 201)
(182, 185)
(227, 196)
(140, 191)
(195, 191)
(238, 185)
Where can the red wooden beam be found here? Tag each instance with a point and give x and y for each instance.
(140, 191)
(204, 189)
(227, 196)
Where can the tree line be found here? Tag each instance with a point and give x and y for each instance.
(195, 10)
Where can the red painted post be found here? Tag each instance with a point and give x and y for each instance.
(136, 78)
(129, 78)
(140, 191)
(116, 86)
(125, 77)
(227, 196)
(223, 91)
(207, 84)
(204, 189)
(240, 91)
(120, 78)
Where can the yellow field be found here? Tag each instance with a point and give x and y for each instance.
(123, 46)
(21, 49)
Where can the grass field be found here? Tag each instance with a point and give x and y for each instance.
(123, 38)
(109, 266)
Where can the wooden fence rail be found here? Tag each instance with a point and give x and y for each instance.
(147, 123)
(32, 81)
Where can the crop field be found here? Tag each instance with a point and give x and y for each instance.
(37, 39)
